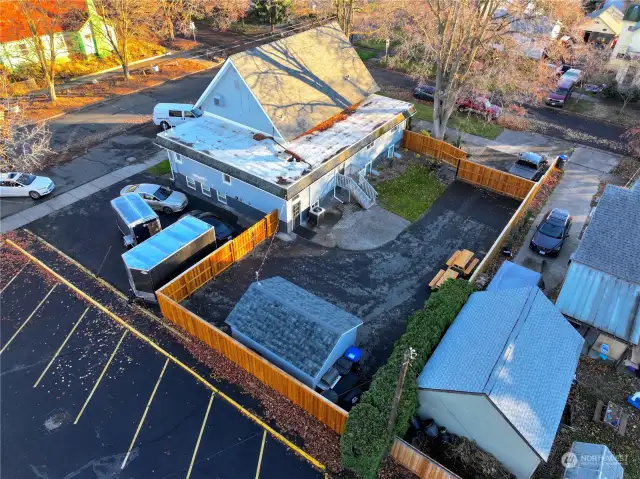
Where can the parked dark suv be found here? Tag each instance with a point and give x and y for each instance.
(551, 233)
(424, 92)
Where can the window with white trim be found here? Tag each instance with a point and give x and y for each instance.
(370, 145)
(222, 198)
(226, 178)
(178, 158)
(191, 183)
(395, 128)
(205, 189)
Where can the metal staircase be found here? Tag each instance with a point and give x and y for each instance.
(358, 187)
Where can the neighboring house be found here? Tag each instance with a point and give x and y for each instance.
(591, 461)
(501, 376)
(602, 287)
(293, 329)
(626, 54)
(81, 31)
(602, 25)
(533, 34)
(284, 125)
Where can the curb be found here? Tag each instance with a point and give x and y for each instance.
(115, 97)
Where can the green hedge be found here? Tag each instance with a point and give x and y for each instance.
(365, 441)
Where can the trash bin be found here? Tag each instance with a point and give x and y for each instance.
(562, 159)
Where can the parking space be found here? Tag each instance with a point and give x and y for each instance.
(87, 230)
(84, 395)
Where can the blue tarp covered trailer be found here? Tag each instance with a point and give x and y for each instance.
(513, 276)
(151, 264)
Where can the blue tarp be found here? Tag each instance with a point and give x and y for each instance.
(513, 276)
(162, 245)
(132, 208)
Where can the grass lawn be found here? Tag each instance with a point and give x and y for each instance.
(467, 123)
(162, 168)
(365, 54)
(376, 43)
(410, 194)
(582, 106)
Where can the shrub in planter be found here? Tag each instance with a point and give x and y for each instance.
(365, 440)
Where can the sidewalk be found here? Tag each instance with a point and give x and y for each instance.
(47, 205)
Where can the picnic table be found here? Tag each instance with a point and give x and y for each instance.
(463, 261)
(442, 276)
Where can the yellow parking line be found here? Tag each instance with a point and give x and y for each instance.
(204, 423)
(14, 277)
(264, 439)
(28, 319)
(144, 414)
(144, 338)
(110, 287)
(104, 370)
(60, 348)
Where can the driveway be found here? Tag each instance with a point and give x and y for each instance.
(87, 230)
(583, 173)
(383, 287)
(83, 396)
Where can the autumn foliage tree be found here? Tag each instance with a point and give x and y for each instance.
(467, 47)
(44, 21)
(126, 21)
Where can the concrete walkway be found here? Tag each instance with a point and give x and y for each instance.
(47, 205)
(583, 173)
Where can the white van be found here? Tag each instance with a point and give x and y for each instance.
(167, 115)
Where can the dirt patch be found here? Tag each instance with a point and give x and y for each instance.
(627, 169)
(598, 381)
(39, 107)
(392, 168)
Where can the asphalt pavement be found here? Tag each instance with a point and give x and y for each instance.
(553, 122)
(84, 396)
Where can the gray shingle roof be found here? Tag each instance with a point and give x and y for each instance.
(515, 347)
(291, 322)
(611, 242)
(305, 79)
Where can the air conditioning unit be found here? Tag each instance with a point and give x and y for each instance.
(316, 215)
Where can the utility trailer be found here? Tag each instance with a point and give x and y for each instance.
(152, 264)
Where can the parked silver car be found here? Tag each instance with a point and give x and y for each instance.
(160, 198)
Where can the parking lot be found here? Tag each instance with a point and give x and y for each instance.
(87, 230)
(85, 394)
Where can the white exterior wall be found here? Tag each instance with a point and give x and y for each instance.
(323, 186)
(12, 54)
(628, 42)
(475, 417)
(237, 102)
(346, 340)
(86, 37)
(237, 190)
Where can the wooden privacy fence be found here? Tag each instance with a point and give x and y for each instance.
(418, 463)
(188, 282)
(497, 244)
(495, 180)
(184, 285)
(426, 145)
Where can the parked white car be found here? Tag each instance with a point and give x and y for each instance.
(168, 115)
(160, 198)
(24, 184)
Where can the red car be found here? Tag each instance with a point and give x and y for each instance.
(481, 106)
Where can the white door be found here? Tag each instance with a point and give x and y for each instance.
(366, 170)
(175, 117)
(390, 151)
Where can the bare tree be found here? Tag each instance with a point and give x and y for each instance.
(124, 21)
(632, 138)
(344, 14)
(23, 147)
(45, 20)
(468, 45)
